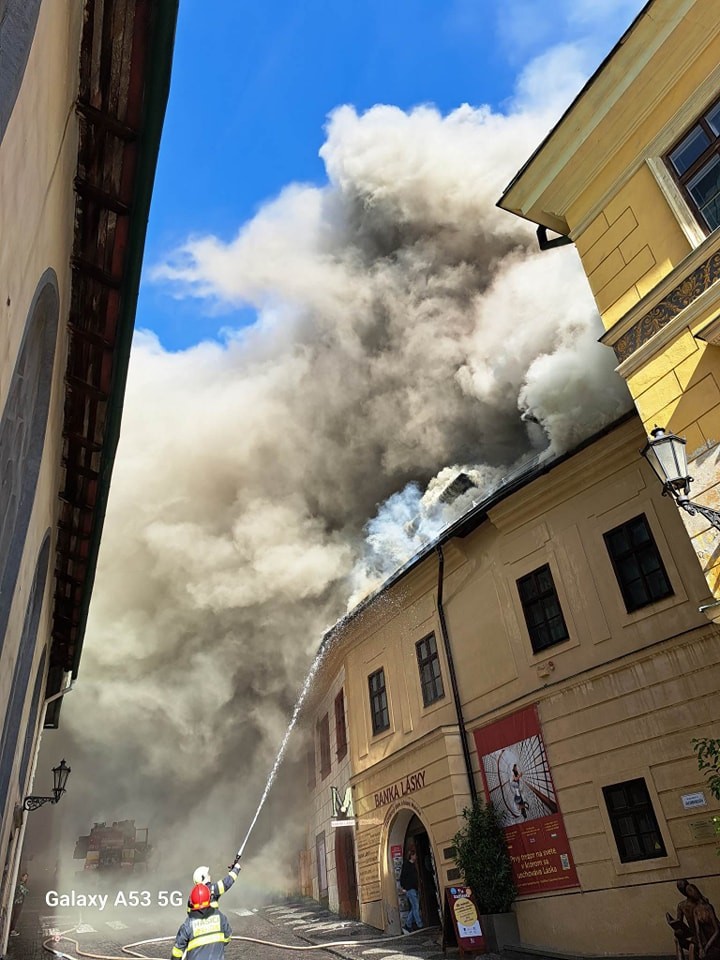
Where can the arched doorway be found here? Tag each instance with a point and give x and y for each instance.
(346, 873)
(408, 832)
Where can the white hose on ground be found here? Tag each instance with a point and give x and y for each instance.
(129, 950)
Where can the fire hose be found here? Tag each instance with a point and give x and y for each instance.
(129, 948)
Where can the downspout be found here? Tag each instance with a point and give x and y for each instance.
(453, 677)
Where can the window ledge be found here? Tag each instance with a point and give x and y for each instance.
(650, 865)
(676, 201)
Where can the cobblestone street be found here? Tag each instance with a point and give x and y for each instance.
(290, 925)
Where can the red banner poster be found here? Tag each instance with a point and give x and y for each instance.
(518, 783)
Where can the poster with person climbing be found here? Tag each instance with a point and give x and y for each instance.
(518, 783)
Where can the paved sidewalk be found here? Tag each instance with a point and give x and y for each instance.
(28, 946)
(310, 922)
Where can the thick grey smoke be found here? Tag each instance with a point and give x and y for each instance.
(405, 326)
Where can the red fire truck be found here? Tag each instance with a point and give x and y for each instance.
(120, 846)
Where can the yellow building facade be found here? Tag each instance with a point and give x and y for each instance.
(631, 175)
(521, 659)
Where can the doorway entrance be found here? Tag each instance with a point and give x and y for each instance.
(416, 838)
(346, 873)
(407, 832)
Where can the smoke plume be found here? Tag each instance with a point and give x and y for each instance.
(406, 330)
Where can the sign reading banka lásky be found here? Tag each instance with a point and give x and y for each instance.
(401, 788)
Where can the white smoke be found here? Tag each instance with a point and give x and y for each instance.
(405, 325)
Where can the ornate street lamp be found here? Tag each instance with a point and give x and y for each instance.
(666, 455)
(60, 775)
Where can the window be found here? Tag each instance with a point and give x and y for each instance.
(311, 766)
(544, 618)
(340, 728)
(633, 821)
(378, 701)
(639, 570)
(324, 741)
(695, 164)
(429, 664)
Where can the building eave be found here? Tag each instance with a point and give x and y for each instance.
(125, 66)
(515, 197)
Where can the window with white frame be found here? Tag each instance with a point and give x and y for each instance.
(694, 162)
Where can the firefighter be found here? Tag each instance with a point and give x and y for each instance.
(205, 930)
(202, 875)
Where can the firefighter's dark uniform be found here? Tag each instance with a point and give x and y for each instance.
(203, 935)
(219, 888)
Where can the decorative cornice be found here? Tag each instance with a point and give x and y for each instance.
(664, 286)
(693, 286)
(706, 304)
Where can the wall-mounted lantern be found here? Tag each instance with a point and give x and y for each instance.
(60, 776)
(666, 455)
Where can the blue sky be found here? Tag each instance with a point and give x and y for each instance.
(253, 85)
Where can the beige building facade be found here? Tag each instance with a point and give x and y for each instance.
(74, 196)
(329, 862)
(548, 654)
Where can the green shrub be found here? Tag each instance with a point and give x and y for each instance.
(707, 750)
(483, 859)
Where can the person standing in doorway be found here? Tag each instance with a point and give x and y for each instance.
(21, 891)
(409, 886)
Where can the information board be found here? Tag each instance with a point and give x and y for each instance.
(461, 924)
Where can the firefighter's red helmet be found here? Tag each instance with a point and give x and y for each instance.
(199, 896)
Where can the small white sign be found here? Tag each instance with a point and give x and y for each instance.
(691, 800)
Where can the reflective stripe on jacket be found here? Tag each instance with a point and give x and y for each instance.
(221, 887)
(203, 935)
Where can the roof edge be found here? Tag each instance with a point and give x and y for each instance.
(157, 89)
(551, 133)
(470, 521)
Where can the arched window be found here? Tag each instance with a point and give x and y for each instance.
(21, 674)
(18, 19)
(32, 723)
(22, 434)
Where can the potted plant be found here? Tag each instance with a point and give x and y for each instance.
(482, 857)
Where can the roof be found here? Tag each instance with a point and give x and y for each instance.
(521, 476)
(125, 64)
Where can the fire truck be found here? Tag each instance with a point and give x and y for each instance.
(121, 846)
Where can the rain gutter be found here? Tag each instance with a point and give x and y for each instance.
(453, 676)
